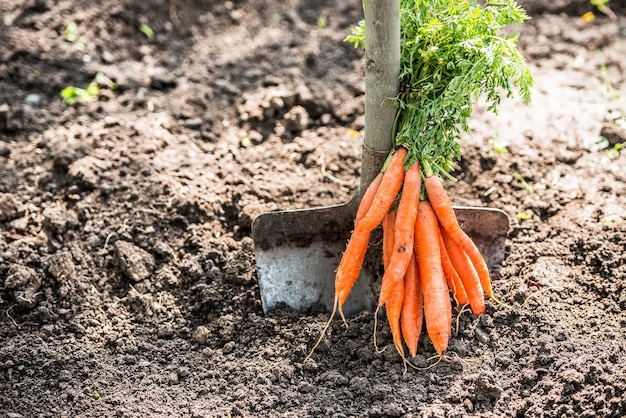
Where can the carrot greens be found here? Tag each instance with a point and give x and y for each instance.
(452, 53)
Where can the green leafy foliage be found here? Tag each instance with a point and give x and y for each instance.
(358, 35)
(452, 52)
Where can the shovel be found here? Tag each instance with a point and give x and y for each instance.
(298, 251)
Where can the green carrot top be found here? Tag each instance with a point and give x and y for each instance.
(452, 52)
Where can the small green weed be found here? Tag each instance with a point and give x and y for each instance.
(499, 144)
(71, 34)
(146, 30)
(358, 35)
(524, 183)
(523, 216)
(322, 23)
(72, 94)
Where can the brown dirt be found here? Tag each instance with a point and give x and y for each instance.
(127, 276)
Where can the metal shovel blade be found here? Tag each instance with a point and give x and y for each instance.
(298, 251)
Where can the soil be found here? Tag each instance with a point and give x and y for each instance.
(128, 284)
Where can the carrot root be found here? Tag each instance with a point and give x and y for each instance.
(404, 232)
(437, 307)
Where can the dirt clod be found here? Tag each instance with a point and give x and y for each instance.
(135, 262)
(8, 207)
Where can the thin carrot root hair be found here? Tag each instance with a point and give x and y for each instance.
(437, 356)
(463, 360)
(326, 326)
(405, 361)
(467, 360)
(499, 302)
(540, 292)
(375, 329)
(464, 309)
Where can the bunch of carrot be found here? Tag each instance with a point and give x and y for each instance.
(452, 53)
(426, 255)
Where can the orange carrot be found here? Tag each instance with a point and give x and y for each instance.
(350, 264)
(466, 271)
(412, 308)
(443, 208)
(404, 232)
(387, 191)
(452, 277)
(368, 197)
(352, 259)
(394, 310)
(437, 307)
(395, 303)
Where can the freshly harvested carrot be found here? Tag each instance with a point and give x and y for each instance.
(466, 271)
(352, 259)
(388, 189)
(452, 277)
(443, 208)
(350, 264)
(395, 303)
(347, 277)
(437, 307)
(404, 232)
(394, 311)
(412, 308)
(368, 197)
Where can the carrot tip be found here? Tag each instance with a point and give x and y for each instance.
(343, 317)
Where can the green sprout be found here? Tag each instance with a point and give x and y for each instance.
(499, 144)
(608, 224)
(607, 88)
(322, 23)
(102, 80)
(72, 94)
(523, 216)
(602, 6)
(71, 34)
(524, 183)
(614, 151)
(146, 30)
